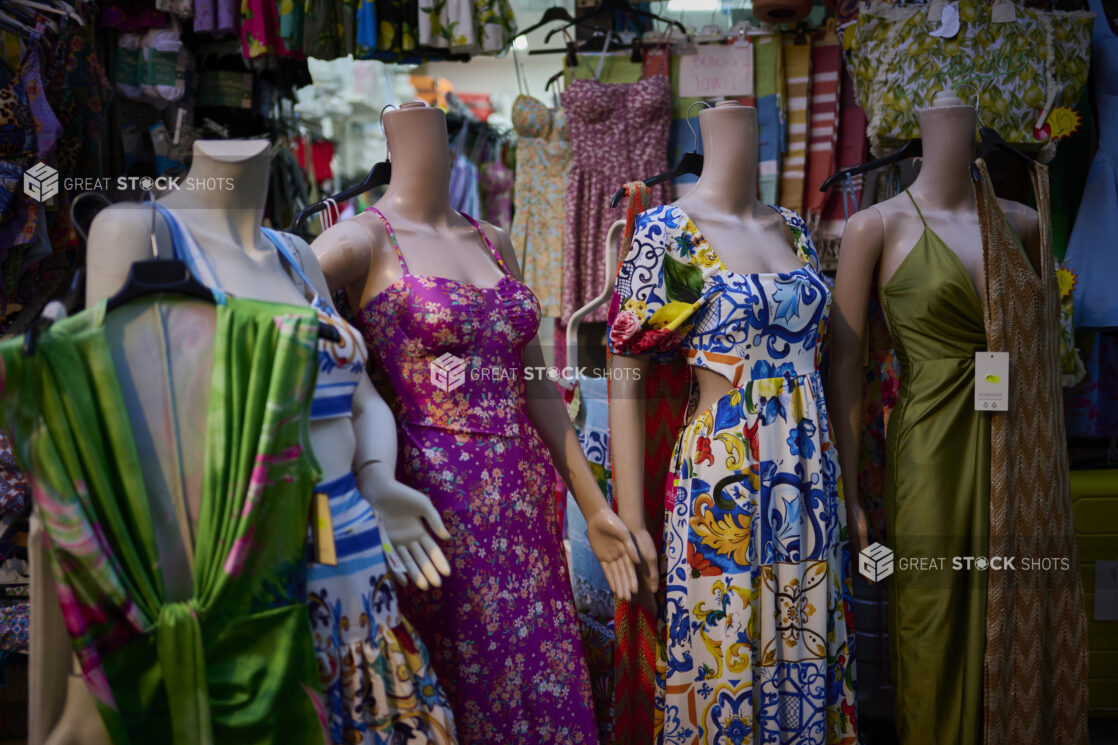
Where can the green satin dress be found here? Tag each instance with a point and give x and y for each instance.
(937, 497)
(232, 663)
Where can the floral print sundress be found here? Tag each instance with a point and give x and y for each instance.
(756, 630)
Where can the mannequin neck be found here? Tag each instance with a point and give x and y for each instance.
(420, 155)
(728, 183)
(948, 138)
(230, 182)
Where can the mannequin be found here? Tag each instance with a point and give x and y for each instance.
(751, 339)
(245, 264)
(412, 248)
(936, 386)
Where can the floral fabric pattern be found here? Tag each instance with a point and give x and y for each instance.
(756, 643)
(502, 628)
(1013, 73)
(543, 157)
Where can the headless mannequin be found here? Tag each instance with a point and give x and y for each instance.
(748, 236)
(358, 256)
(246, 265)
(879, 238)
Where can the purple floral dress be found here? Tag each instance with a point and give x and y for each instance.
(502, 629)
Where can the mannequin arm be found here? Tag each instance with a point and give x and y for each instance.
(626, 444)
(859, 253)
(401, 509)
(609, 537)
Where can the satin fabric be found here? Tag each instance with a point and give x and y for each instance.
(936, 497)
(235, 662)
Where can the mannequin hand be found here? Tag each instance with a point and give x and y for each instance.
(402, 512)
(613, 545)
(858, 527)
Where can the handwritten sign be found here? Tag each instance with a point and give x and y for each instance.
(717, 70)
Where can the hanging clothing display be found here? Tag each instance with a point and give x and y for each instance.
(937, 495)
(1096, 223)
(235, 661)
(375, 671)
(618, 133)
(495, 181)
(1036, 623)
(756, 603)
(543, 157)
(502, 627)
(797, 80)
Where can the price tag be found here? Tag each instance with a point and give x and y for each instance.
(717, 70)
(322, 531)
(991, 381)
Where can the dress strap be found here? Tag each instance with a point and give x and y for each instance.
(486, 241)
(279, 240)
(187, 250)
(391, 237)
(914, 204)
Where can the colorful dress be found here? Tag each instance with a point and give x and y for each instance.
(375, 671)
(755, 641)
(233, 661)
(619, 133)
(543, 157)
(502, 628)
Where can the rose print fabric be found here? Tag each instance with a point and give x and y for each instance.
(619, 133)
(502, 629)
(543, 157)
(755, 642)
(234, 662)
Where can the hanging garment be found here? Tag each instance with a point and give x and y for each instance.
(399, 25)
(494, 25)
(495, 181)
(767, 85)
(374, 670)
(823, 123)
(1036, 623)
(619, 133)
(502, 628)
(797, 82)
(758, 596)
(215, 16)
(937, 496)
(447, 24)
(1090, 252)
(233, 662)
(543, 157)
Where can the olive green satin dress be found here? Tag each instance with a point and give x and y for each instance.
(936, 497)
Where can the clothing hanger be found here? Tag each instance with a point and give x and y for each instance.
(911, 149)
(606, 293)
(990, 139)
(379, 175)
(56, 8)
(610, 7)
(551, 15)
(690, 164)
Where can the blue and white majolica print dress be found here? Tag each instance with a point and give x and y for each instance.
(756, 636)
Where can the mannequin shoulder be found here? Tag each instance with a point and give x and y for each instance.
(1023, 219)
(308, 262)
(863, 238)
(124, 231)
(347, 251)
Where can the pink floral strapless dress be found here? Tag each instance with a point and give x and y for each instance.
(502, 629)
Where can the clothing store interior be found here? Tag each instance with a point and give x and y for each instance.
(637, 373)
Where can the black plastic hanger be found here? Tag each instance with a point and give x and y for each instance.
(380, 175)
(990, 139)
(609, 7)
(154, 276)
(690, 164)
(551, 15)
(911, 149)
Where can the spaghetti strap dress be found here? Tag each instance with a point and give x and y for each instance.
(937, 496)
(502, 628)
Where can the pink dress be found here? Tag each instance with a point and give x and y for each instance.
(618, 133)
(502, 629)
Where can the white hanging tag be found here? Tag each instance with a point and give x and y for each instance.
(949, 22)
(1003, 12)
(991, 381)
